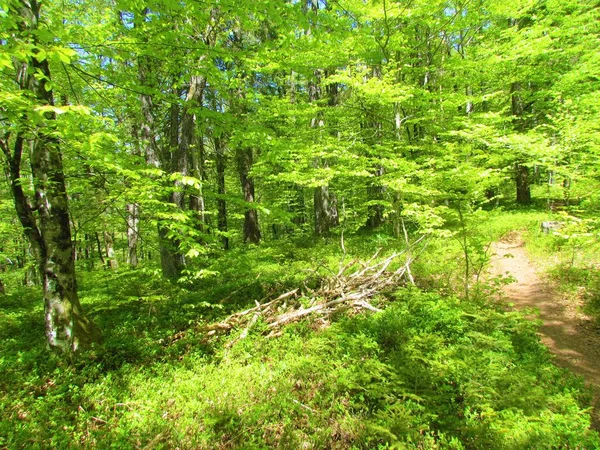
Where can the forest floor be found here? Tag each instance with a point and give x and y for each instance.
(570, 335)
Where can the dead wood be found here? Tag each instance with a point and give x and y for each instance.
(350, 288)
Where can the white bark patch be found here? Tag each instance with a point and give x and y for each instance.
(52, 330)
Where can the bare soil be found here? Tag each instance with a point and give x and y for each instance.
(567, 332)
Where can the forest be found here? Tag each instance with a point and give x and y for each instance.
(300, 224)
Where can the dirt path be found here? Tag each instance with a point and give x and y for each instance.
(565, 331)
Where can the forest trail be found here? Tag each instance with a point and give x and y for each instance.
(565, 331)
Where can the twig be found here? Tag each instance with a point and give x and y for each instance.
(366, 305)
(304, 406)
(251, 324)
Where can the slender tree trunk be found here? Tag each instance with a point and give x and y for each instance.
(251, 227)
(325, 202)
(111, 257)
(172, 261)
(170, 158)
(376, 193)
(197, 201)
(89, 252)
(32, 275)
(326, 215)
(523, 189)
(99, 248)
(221, 203)
(132, 234)
(522, 183)
(298, 207)
(566, 190)
(67, 327)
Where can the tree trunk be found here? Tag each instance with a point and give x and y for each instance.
(169, 158)
(521, 171)
(522, 182)
(67, 327)
(251, 227)
(376, 193)
(375, 189)
(111, 257)
(298, 208)
(326, 214)
(32, 274)
(99, 248)
(325, 202)
(197, 202)
(172, 262)
(89, 252)
(221, 203)
(133, 222)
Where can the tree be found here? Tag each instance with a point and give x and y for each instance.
(44, 212)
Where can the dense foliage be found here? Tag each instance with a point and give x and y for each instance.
(170, 163)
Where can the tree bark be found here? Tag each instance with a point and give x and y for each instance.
(169, 158)
(89, 252)
(376, 192)
(172, 262)
(45, 218)
(251, 226)
(133, 222)
(221, 203)
(326, 214)
(521, 172)
(522, 183)
(111, 257)
(32, 274)
(325, 202)
(197, 201)
(99, 248)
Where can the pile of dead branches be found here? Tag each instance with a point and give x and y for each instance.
(350, 288)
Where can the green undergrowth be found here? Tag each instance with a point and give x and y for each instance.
(433, 371)
(429, 372)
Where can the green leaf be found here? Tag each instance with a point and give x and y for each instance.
(41, 54)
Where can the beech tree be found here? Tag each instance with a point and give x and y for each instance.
(30, 131)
